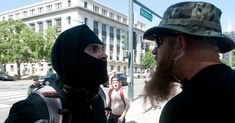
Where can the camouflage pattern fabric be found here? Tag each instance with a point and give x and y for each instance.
(193, 18)
(194, 14)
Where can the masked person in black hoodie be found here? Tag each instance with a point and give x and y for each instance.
(79, 59)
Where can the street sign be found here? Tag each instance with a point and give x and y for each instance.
(146, 14)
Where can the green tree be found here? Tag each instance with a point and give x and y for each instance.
(18, 43)
(233, 58)
(47, 43)
(148, 60)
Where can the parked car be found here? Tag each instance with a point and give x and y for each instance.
(139, 75)
(45, 80)
(120, 76)
(6, 77)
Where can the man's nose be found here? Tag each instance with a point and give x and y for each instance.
(103, 56)
(155, 50)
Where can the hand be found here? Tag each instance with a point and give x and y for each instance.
(120, 119)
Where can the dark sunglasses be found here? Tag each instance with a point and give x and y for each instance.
(158, 38)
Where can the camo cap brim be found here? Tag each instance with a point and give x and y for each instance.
(194, 18)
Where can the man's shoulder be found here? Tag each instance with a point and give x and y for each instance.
(33, 101)
(29, 109)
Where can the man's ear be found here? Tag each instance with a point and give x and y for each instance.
(181, 44)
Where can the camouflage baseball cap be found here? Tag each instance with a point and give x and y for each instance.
(194, 18)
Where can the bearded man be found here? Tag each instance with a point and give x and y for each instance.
(188, 42)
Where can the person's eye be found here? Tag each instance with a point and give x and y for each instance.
(93, 49)
(103, 48)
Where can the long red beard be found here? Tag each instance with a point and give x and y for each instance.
(160, 87)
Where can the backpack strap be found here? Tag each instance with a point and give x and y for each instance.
(53, 103)
(122, 96)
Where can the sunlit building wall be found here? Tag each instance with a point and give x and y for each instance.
(109, 25)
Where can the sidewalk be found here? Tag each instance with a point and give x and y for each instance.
(137, 114)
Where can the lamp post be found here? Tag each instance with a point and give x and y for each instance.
(130, 52)
(130, 46)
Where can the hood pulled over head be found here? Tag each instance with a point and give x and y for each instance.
(76, 68)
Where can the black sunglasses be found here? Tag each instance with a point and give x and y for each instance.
(158, 38)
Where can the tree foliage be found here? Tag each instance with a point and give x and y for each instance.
(233, 58)
(47, 43)
(19, 44)
(148, 60)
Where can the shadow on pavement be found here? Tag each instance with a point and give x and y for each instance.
(139, 96)
(131, 122)
(150, 108)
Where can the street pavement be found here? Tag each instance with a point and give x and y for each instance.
(140, 114)
(11, 92)
(137, 112)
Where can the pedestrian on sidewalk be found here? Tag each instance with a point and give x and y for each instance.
(117, 101)
(111, 75)
(188, 42)
(79, 59)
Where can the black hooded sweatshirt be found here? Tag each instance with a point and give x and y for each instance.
(78, 86)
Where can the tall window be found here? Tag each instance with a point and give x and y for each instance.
(12, 68)
(118, 17)
(111, 67)
(11, 16)
(111, 43)
(25, 13)
(17, 15)
(40, 10)
(32, 26)
(95, 27)
(40, 27)
(124, 20)
(69, 20)
(58, 24)
(142, 43)
(85, 4)
(118, 43)
(95, 9)
(49, 23)
(49, 8)
(32, 12)
(104, 33)
(85, 21)
(58, 5)
(111, 15)
(104, 12)
(111, 38)
(69, 3)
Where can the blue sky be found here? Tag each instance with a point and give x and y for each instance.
(227, 7)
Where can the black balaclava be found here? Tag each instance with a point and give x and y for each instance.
(78, 70)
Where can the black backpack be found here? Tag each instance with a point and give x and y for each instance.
(53, 102)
